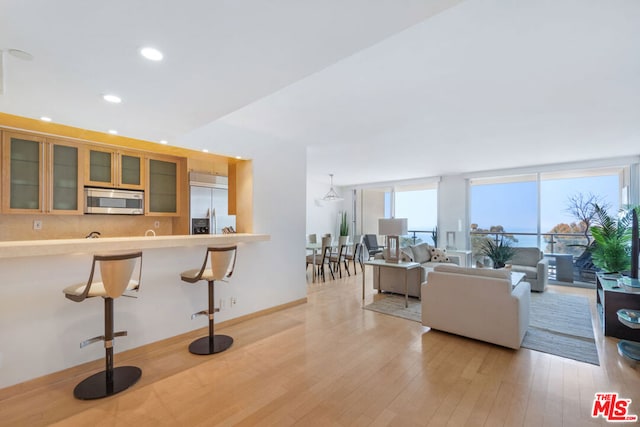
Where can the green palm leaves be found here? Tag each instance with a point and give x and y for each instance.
(612, 237)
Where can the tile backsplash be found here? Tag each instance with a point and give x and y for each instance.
(21, 227)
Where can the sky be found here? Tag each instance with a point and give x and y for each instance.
(512, 205)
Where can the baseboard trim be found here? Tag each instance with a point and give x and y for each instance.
(127, 356)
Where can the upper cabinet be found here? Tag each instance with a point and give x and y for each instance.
(164, 175)
(40, 175)
(46, 174)
(114, 168)
(65, 189)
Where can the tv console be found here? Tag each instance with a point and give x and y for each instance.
(611, 297)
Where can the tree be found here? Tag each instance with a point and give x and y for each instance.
(583, 208)
(566, 244)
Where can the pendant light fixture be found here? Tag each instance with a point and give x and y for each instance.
(331, 196)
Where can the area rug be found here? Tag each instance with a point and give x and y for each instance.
(393, 305)
(559, 324)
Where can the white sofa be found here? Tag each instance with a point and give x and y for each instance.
(476, 303)
(392, 280)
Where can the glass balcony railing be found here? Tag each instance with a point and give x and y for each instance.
(551, 244)
(415, 237)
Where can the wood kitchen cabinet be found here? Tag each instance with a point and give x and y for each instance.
(40, 175)
(106, 167)
(164, 176)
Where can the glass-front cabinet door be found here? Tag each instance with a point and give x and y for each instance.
(22, 183)
(130, 170)
(100, 167)
(40, 175)
(114, 169)
(64, 174)
(162, 197)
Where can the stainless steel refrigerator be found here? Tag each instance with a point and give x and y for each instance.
(209, 204)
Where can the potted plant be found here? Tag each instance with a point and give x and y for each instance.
(610, 250)
(344, 225)
(344, 230)
(499, 251)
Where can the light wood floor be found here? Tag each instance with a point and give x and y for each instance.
(329, 362)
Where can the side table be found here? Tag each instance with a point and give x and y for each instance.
(466, 256)
(564, 266)
(406, 266)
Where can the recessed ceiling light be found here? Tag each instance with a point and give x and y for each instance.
(45, 119)
(238, 157)
(204, 150)
(151, 54)
(112, 98)
(113, 131)
(163, 141)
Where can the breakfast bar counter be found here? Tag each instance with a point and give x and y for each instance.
(30, 248)
(41, 329)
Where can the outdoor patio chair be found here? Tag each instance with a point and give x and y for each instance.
(371, 243)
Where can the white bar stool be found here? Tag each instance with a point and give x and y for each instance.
(116, 272)
(222, 262)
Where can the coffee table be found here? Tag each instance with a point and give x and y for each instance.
(406, 266)
(516, 277)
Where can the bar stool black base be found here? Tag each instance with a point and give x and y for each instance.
(96, 387)
(211, 345)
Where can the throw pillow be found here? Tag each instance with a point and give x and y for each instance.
(421, 253)
(406, 254)
(439, 255)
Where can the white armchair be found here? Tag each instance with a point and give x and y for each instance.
(532, 263)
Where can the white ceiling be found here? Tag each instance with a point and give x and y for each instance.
(377, 90)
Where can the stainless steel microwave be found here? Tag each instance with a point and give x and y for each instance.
(111, 201)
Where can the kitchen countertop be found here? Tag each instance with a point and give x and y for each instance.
(31, 248)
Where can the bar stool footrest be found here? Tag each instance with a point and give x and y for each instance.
(96, 386)
(200, 313)
(210, 345)
(85, 343)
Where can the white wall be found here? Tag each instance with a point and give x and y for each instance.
(322, 217)
(277, 273)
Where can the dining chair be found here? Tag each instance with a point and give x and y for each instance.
(355, 255)
(324, 259)
(340, 255)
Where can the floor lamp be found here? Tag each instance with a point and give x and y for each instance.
(392, 228)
